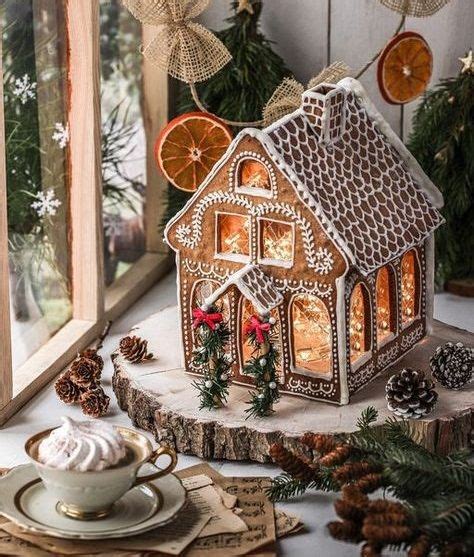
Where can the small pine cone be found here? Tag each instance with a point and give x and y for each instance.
(95, 403)
(345, 531)
(297, 466)
(353, 471)
(85, 373)
(349, 511)
(319, 442)
(92, 354)
(386, 534)
(371, 550)
(387, 519)
(452, 365)
(338, 456)
(420, 547)
(66, 390)
(410, 395)
(134, 349)
(384, 506)
(369, 483)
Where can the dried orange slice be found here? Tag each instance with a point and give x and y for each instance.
(404, 68)
(189, 146)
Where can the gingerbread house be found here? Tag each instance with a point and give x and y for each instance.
(325, 221)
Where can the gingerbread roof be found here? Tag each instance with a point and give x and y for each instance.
(353, 171)
(255, 286)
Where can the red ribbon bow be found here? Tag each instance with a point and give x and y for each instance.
(255, 325)
(202, 317)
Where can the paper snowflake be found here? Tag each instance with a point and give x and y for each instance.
(46, 203)
(24, 88)
(61, 134)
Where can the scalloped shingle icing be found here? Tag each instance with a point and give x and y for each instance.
(362, 184)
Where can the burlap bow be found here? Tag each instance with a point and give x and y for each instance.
(415, 8)
(287, 96)
(185, 49)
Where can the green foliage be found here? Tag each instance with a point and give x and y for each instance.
(211, 356)
(240, 90)
(442, 141)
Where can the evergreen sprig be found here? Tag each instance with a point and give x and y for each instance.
(211, 356)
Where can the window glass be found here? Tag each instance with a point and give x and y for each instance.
(253, 174)
(409, 288)
(202, 290)
(385, 321)
(233, 234)
(359, 327)
(311, 327)
(37, 137)
(123, 139)
(276, 240)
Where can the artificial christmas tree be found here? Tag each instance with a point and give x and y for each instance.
(442, 141)
(240, 90)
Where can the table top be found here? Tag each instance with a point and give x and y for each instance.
(314, 508)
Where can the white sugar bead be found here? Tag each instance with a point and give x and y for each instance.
(208, 384)
(262, 362)
(272, 385)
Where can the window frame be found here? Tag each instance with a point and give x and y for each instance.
(393, 305)
(418, 281)
(92, 304)
(251, 190)
(368, 326)
(234, 257)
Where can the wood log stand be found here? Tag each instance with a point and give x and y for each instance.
(159, 398)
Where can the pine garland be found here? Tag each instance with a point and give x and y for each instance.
(435, 507)
(212, 338)
(262, 366)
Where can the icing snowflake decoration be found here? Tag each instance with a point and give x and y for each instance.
(24, 89)
(46, 203)
(61, 134)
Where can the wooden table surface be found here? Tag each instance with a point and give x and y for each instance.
(315, 509)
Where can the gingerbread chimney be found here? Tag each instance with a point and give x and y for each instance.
(324, 109)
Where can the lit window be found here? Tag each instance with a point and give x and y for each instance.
(232, 235)
(409, 288)
(203, 289)
(359, 327)
(311, 334)
(276, 241)
(384, 299)
(253, 174)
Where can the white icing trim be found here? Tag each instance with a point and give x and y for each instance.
(431, 191)
(341, 338)
(429, 282)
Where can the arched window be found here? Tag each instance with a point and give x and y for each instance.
(410, 287)
(385, 302)
(311, 334)
(202, 290)
(359, 322)
(246, 311)
(253, 174)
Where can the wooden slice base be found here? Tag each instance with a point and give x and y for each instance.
(159, 397)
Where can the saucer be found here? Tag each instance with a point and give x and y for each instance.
(25, 501)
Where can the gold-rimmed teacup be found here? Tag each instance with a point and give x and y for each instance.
(91, 495)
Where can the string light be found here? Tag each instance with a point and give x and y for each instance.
(277, 241)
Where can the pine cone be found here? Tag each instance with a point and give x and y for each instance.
(85, 373)
(420, 547)
(410, 395)
(67, 391)
(386, 534)
(353, 471)
(297, 466)
(349, 511)
(371, 550)
(95, 403)
(338, 456)
(319, 442)
(452, 365)
(345, 531)
(92, 354)
(369, 483)
(134, 349)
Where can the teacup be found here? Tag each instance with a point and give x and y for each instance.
(91, 495)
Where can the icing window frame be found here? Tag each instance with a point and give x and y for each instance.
(367, 327)
(417, 283)
(235, 257)
(285, 263)
(235, 175)
(392, 304)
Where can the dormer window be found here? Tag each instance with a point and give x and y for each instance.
(233, 237)
(252, 174)
(276, 242)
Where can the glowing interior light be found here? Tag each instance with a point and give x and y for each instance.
(408, 288)
(357, 325)
(253, 174)
(233, 233)
(203, 289)
(277, 240)
(383, 304)
(311, 334)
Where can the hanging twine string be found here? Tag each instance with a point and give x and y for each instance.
(287, 96)
(415, 8)
(183, 48)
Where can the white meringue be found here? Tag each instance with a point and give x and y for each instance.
(82, 446)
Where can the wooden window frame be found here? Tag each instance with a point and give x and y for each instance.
(92, 304)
